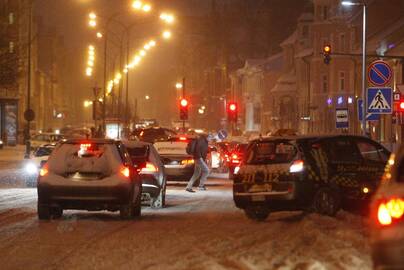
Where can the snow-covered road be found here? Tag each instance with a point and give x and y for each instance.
(195, 231)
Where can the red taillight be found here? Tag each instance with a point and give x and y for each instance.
(183, 138)
(388, 211)
(44, 170)
(125, 172)
(149, 167)
(85, 146)
(235, 159)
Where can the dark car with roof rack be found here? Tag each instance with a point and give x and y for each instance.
(320, 173)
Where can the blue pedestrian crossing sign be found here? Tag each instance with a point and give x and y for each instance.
(379, 100)
(369, 116)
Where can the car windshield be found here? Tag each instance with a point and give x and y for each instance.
(270, 152)
(43, 151)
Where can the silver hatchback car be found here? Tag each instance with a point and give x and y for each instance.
(92, 175)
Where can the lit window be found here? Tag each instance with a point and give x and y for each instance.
(11, 46)
(11, 18)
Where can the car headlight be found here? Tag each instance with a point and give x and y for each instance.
(31, 168)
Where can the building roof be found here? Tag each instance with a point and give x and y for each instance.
(286, 83)
(290, 40)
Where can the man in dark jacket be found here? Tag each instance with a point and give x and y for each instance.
(201, 168)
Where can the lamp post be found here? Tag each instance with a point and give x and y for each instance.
(364, 101)
(28, 118)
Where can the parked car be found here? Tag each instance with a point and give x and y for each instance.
(324, 173)
(92, 175)
(235, 157)
(178, 165)
(44, 138)
(152, 134)
(148, 163)
(387, 235)
(34, 163)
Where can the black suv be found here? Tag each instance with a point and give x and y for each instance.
(323, 173)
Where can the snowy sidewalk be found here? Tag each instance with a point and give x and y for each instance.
(11, 156)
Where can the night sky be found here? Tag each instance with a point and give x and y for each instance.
(156, 75)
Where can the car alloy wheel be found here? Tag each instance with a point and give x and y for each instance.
(327, 201)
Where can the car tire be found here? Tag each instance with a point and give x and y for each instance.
(160, 201)
(327, 202)
(257, 213)
(44, 212)
(127, 211)
(137, 204)
(57, 212)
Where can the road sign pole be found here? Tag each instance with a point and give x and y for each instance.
(364, 109)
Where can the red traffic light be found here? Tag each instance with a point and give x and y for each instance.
(232, 107)
(184, 102)
(401, 106)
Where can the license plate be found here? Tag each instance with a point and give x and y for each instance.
(258, 198)
(260, 188)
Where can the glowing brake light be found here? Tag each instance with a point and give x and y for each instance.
(44, 170)
(148, 168)
(393, 209)
(183, 138)
(125, 172)
(234, 156)
(297, 166)
(85, 146)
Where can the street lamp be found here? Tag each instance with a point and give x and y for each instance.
(178, 85)
(364, 101)
(166, 34)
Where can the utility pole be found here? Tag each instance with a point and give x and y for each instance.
(28, 115)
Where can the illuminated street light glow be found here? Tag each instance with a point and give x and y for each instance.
(152, 43)
(90, 63)
(92, 16)
(142, 52)
(137, 4)
(349, 3)
(89, 71)
(91, 48)
(91, 57)
(92, 23)
(146, 8)
(147, 97)
(168, 18)
(166, 34)
(125, 70)
(178, 85)
(146, 47)
(99, 35)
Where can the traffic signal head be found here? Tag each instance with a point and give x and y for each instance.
(232, 111)
(401, 106)
(327, 54)
(184, 109)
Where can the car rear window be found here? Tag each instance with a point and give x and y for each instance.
(85, 157)
(270, 153)
(138, 151)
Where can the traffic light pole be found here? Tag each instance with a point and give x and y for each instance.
(183, 96)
